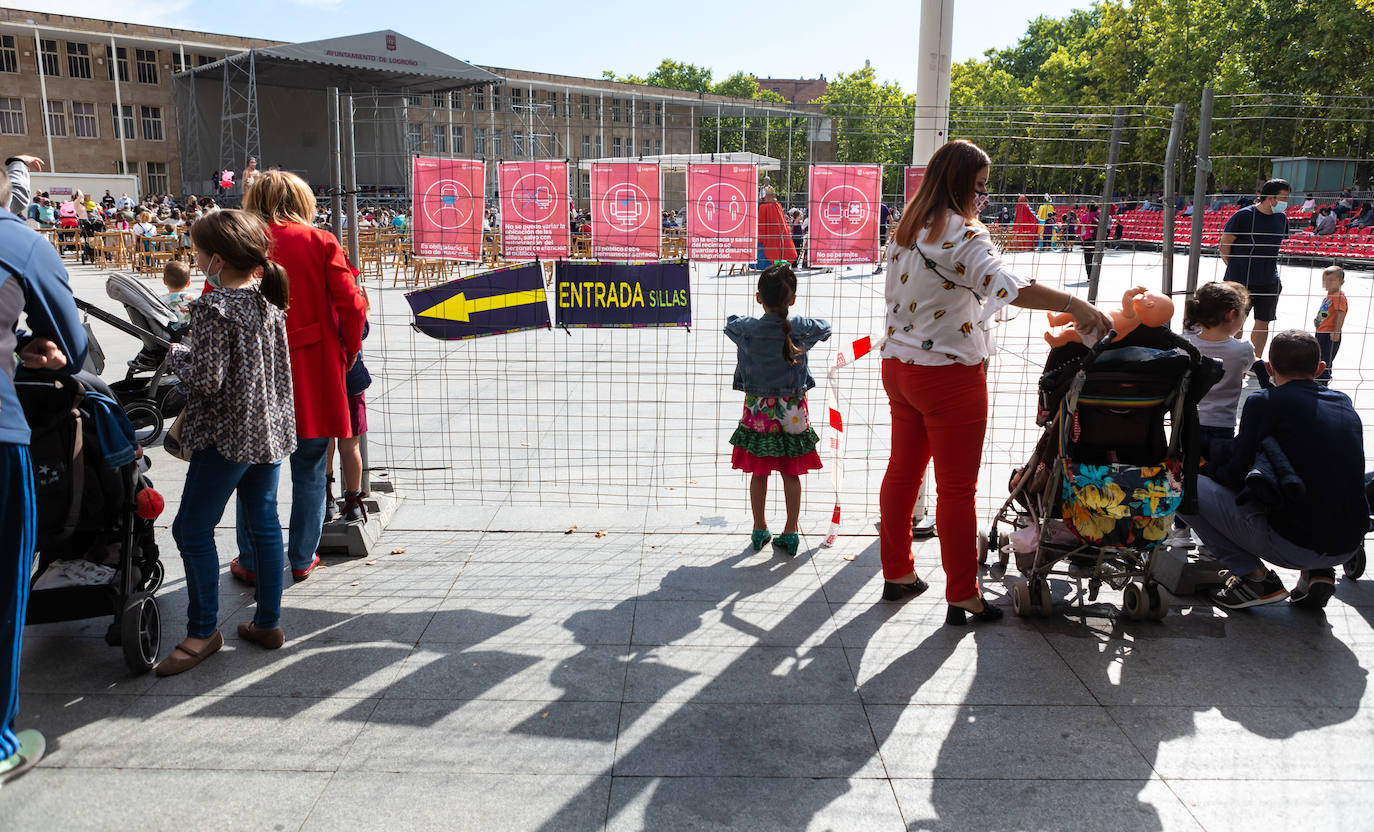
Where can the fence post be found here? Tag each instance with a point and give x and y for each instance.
(351, 178)
(1104, 218)
(335, 166)
(1170, 177)
(1204, 167)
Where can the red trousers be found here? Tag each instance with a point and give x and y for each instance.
(940, 411)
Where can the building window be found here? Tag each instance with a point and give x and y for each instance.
(517, 97)
(84, 124)
(12, 116)
(598, 147)
(517, 141)
(147, 65)
(586, 108)
(479, 99)
(152, 123)
(205, 59)
(479, 141)
(586, 188)
(438, 135)
(455, 100)
(178, 66)
(496, 144)
(553, 103)
(643, 113)
(78, 60)
(49, 55)
(157, 177)
(9, 54)
(57, 119)
(658, 147)
(644, 147)
(615, 109)
(457, 138)
(586, 147)
(122, 61)
(414, 137)
(615, 146)
(414, 100)
(658, 112)
(126, 130)
(130, 169)
(437, 99)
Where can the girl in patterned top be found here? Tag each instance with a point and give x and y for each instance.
(945, 284)
(239, 423)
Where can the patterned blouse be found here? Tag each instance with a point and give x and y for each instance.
(942, 294)
(238, 368)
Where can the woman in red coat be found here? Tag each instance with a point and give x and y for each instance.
(324, 328)
(775, 235)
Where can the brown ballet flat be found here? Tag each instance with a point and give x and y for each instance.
(174, 664)
(271, 639)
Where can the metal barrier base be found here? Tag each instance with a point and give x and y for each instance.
(358, 540)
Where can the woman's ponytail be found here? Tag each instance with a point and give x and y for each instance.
(275, 286)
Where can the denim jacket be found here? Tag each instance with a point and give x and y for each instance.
(760, 368)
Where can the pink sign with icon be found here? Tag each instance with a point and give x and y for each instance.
(534, 210)
(844, 214)
(722, 213)
(447, 207)
(625, 211)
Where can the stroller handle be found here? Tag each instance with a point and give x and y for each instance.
(119, 323)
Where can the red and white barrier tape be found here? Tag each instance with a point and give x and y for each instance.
(843, 358)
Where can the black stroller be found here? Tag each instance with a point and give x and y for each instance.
(89, 486)
(1117, 459)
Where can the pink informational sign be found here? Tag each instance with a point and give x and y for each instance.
(625, 211)
(844, 214)
(534, 210)
(722, 213)
(446, 208)
(914, 175)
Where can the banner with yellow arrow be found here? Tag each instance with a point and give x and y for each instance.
(490, 303)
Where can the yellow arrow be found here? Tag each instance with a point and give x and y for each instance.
(459, 308)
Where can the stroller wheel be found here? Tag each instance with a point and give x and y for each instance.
(1134, 602)
(146, 418)
(141, 628)
(1020, 599)
(1354, 567)
(1159, 605)
(1046, 599)
(153, 582)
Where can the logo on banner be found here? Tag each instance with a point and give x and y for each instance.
(391, 43)
(722, 208)
(626, 207)
(447, 204)
(534, 198)
(845, 210)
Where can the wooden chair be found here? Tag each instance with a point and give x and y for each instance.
(581, 246)
(370, 257)
(152, 254)
(426, 271)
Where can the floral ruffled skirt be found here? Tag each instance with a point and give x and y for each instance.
(775, 434)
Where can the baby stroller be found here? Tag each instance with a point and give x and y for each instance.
(1117, 458)
(97, 554)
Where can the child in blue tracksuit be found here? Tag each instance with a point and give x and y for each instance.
(775, 432)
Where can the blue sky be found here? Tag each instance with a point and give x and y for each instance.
(800, 38)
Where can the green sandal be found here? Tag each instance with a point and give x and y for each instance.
(788, 542)
(760, 537)
(31, 748)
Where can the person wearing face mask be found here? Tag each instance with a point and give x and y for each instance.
(945, 285)
(1250, 249)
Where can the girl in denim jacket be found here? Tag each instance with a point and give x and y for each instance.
(775, 433)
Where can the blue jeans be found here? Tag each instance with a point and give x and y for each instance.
(210, 480)
(1237, 535)
(307, 507)
(18, 527)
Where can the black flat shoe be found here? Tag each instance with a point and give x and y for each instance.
(959, 615)
(898, 592)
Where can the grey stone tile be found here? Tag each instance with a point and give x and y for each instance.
(72, 724)
(425, 546)
(516, 672)
(738, 740)
(63, 664)
(1252, 743)
(524, 517)
(421, 516)
(420, 801)
(758, 804)
(905, 624)
(385, 579)
(1042, 805)
(762, 576)
(717, 675)
(487, 737)
(492, 621)
(325, 618)
(619, 584)
(1226, 805)
(244, 800)
(558, 548)
(1038, 741)
(232, 733)
(729, 624)
(946, 671)
(300, 668)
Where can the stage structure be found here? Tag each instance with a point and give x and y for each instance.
(273, 104)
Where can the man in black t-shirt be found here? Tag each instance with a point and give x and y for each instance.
(1250, 248)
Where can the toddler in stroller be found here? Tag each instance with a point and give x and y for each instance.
(1117, 458)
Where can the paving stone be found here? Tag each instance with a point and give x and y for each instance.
(493, 621)
(943, 671)
(717, 675)
(570, 673)
(730, 624)
(833, 804)
(300, 668)
(1260, 803)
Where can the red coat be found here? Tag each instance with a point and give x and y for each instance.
(775, 235)
(324, 325)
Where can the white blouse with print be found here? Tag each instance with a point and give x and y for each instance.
(942, 294)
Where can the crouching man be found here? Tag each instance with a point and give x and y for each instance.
(1319, 433)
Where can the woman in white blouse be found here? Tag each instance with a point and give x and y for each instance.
(945, 284)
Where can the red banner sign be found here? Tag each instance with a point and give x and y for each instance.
(844, 214)
(722, 215)
(446, 208)
(625, 211)
(914, 175)
(534, 210)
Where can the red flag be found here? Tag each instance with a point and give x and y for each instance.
(844, 214)
(722, 220)
(446, 208)
(625, 211)
(534, 210)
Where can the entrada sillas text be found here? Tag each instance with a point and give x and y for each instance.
(592, 295)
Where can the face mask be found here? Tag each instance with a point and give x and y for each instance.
(1280, 207)
(213, 277)
(980, 201)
